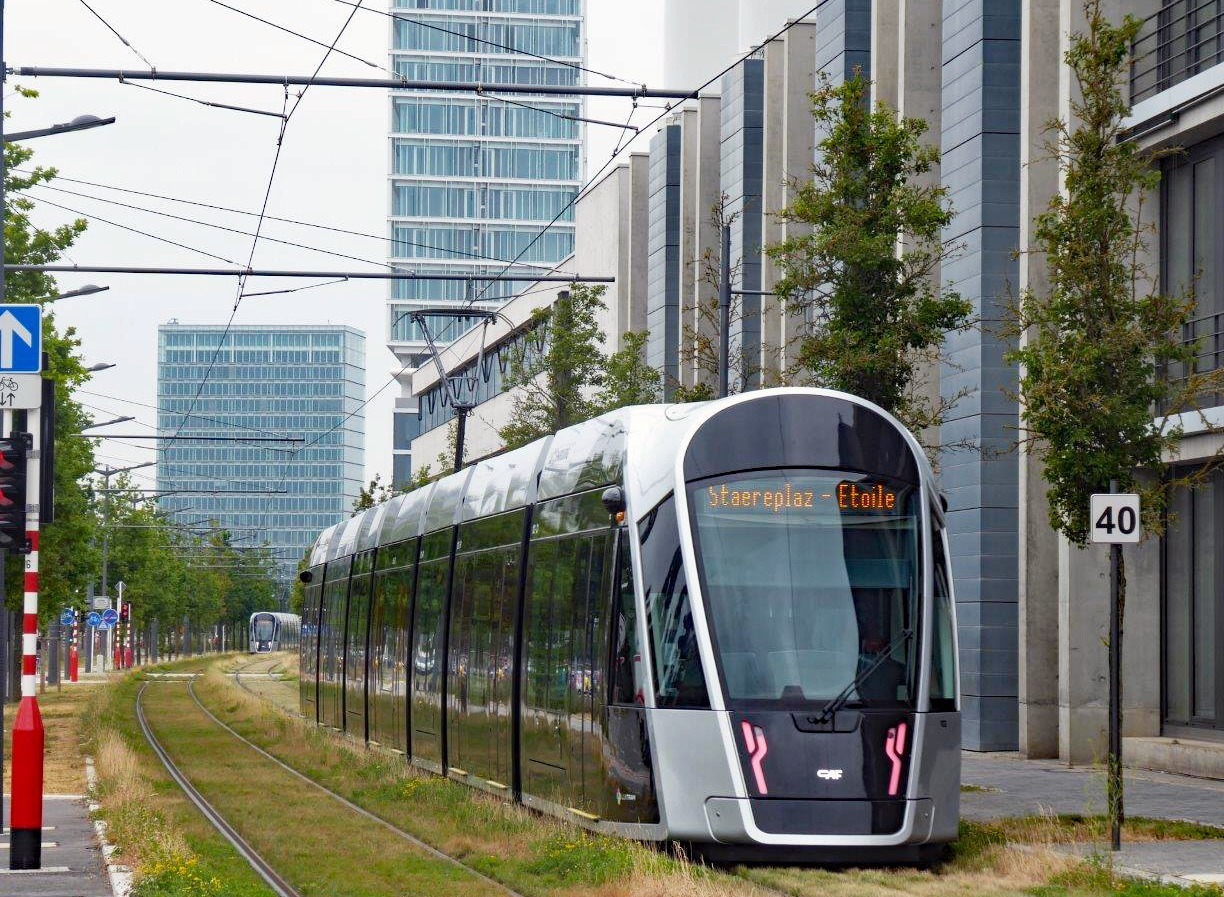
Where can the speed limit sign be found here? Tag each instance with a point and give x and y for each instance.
(1114, 518)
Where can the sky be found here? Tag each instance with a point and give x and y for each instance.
(332, 170)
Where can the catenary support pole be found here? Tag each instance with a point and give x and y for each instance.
(724, 314)
(461, 416)
(25, 825)
(1114, 786)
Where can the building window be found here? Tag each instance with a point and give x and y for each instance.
(1193, 606)
(1192, 250)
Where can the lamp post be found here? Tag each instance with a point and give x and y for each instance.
(107, 423)
(100, 366)
(88, 290)
(80, 123)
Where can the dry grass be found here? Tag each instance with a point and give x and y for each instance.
(63, 763)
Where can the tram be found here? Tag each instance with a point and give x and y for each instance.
(274, 631)
(728, 624)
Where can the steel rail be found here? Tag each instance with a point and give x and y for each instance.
(412, 839)
(248, 853)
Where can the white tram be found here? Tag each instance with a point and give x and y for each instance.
(729, 624)
(274, 631)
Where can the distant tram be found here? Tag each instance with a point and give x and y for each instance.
(728, 624)
(273, 631)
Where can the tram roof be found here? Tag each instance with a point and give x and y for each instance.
(584, 456)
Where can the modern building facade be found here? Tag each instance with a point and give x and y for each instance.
(474, 179)
(303, 382)
(987, 76)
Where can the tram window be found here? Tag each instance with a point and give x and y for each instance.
(679, 677)
(625, 652)
(810, 578)
(943, 647)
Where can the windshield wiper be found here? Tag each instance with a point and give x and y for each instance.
(843, 696)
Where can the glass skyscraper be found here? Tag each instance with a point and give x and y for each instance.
(474, 179)
(300, 381)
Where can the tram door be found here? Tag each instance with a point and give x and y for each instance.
(564, 651)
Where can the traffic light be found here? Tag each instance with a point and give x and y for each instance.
(123, 612)
(13, 492)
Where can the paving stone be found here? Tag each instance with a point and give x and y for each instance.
(73, 867)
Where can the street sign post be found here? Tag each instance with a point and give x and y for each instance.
(110, 616)
(1114, 519)
(21, 391)
(93, 619)
(102, 626)
(66, 617)
(101, 602)
(21, 341)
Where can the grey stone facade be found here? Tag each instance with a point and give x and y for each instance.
(663, 258)
(981, 147)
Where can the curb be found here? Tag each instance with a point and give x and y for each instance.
(120, 876)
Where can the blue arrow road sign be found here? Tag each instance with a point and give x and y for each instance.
(94, 618)
(110, 616)
(20, 339)
(67, 618)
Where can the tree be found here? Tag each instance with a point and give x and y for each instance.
(1100, 342)
(374, 494)
(561, 374)
(628, 379)
(862, 272)
(67, 549)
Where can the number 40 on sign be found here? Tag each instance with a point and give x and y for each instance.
(1115, 518)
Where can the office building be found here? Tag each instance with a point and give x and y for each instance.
(303, 382)
(987, 77)
(474, 179)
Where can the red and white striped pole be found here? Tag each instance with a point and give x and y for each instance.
(25, 817)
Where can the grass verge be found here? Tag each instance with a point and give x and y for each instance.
(172, 849)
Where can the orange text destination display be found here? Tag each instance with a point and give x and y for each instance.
(849, 497)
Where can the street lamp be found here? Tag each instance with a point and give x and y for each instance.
(88, 290)
(100, 366)
(107, 423)
(80, 123)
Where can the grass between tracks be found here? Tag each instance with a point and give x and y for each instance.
(545, 857)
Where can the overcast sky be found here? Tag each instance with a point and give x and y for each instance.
(332, 171)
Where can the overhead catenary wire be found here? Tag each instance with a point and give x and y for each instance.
(112, 30)
(305, 37)
(510, 48)
(383, 239)
(263, 210)
(135, 230)
(211, 103)
(619, 149)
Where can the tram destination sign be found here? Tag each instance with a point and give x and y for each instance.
(1114, 518)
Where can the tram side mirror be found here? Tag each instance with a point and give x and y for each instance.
(306, 576)
(613, 499)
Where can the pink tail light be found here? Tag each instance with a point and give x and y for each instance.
(894, 748)
(754, 740)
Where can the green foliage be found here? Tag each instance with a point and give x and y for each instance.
(862, 268)
(375, 493)
(628, 379)
(553, 389)
(1099, 342)
(572, 380)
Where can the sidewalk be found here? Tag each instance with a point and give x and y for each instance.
(1019, 787)
(71, 858)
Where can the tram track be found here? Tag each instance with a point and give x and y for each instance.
(373, 817)
(258, 863)
(261, 866)
(736, 874)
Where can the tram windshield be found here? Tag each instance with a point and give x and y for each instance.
(809, 577)
(264, 628)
